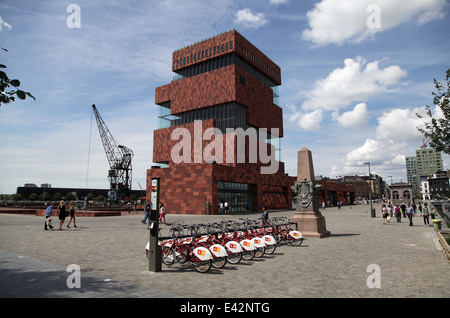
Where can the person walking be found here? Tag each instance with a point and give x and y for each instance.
(61, 213)
(403, 208)
(426, 215)
(410, 213)
(389, 212)
(385, 213)
(162, 213)
(72, 214)
(48, 220)
(265, 217)
(147, 209)
(398, 213)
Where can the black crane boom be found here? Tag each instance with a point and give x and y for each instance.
(119, 158)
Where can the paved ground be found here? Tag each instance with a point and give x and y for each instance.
(110, 252)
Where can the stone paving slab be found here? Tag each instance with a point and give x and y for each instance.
(25, 277)
(409, 261)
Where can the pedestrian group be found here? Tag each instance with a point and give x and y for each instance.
(148, 209)
(407, 211)
(62, 214)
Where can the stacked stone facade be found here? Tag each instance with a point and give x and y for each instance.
(224, 72)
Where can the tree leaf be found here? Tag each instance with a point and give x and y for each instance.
(15, 83)
(20, 94)
(30, 95)
(3, 76)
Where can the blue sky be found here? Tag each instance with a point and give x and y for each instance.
(354, 73)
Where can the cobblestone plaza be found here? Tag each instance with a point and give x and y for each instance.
(110, 252)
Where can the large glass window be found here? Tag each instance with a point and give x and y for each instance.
(228, 115)
(164, 117)
(237, 195)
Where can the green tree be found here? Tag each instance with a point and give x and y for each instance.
(69, 196)
(44, 196)
(57, 197)
(437, 129)
(8, 94)
(33, 197)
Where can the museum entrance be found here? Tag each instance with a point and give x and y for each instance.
(238, 196)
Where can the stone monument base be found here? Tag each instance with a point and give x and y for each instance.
(310, 223)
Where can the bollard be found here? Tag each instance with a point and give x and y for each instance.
(437, 225)
(155, 254)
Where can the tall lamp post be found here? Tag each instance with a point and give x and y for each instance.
(372, 211)
(390, 191)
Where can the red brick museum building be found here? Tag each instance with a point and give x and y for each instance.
(222, 83)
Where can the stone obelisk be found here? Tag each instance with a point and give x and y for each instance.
(310, 221)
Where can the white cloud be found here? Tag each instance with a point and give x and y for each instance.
(248, 19)
(396, 135)
(356, 81)
(276, 2)
(370, 151)
(4, 24)
(399, 125)
(378, 153)
(399, 160)
(343, 21)
(356, 118)
(310, 121)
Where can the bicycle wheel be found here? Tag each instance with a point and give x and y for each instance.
(234, 258)
(219, 262)
(248, 255)
(202, 266)
(176, 230)
(271, 248)
(295, 242)
(277, 236)
(181, 253)
(259, 252)
(168, 255)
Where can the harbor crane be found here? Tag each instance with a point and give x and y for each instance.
(119, 158)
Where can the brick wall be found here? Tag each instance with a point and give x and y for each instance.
(184, 189)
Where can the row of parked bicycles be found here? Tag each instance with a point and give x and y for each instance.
(215, 244)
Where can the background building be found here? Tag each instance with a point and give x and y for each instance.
(78, 193)
(439, 186)
(429, 161)
(425, 163)
(425, 189)
(411, 173)
(401, 192)
(334, 192)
